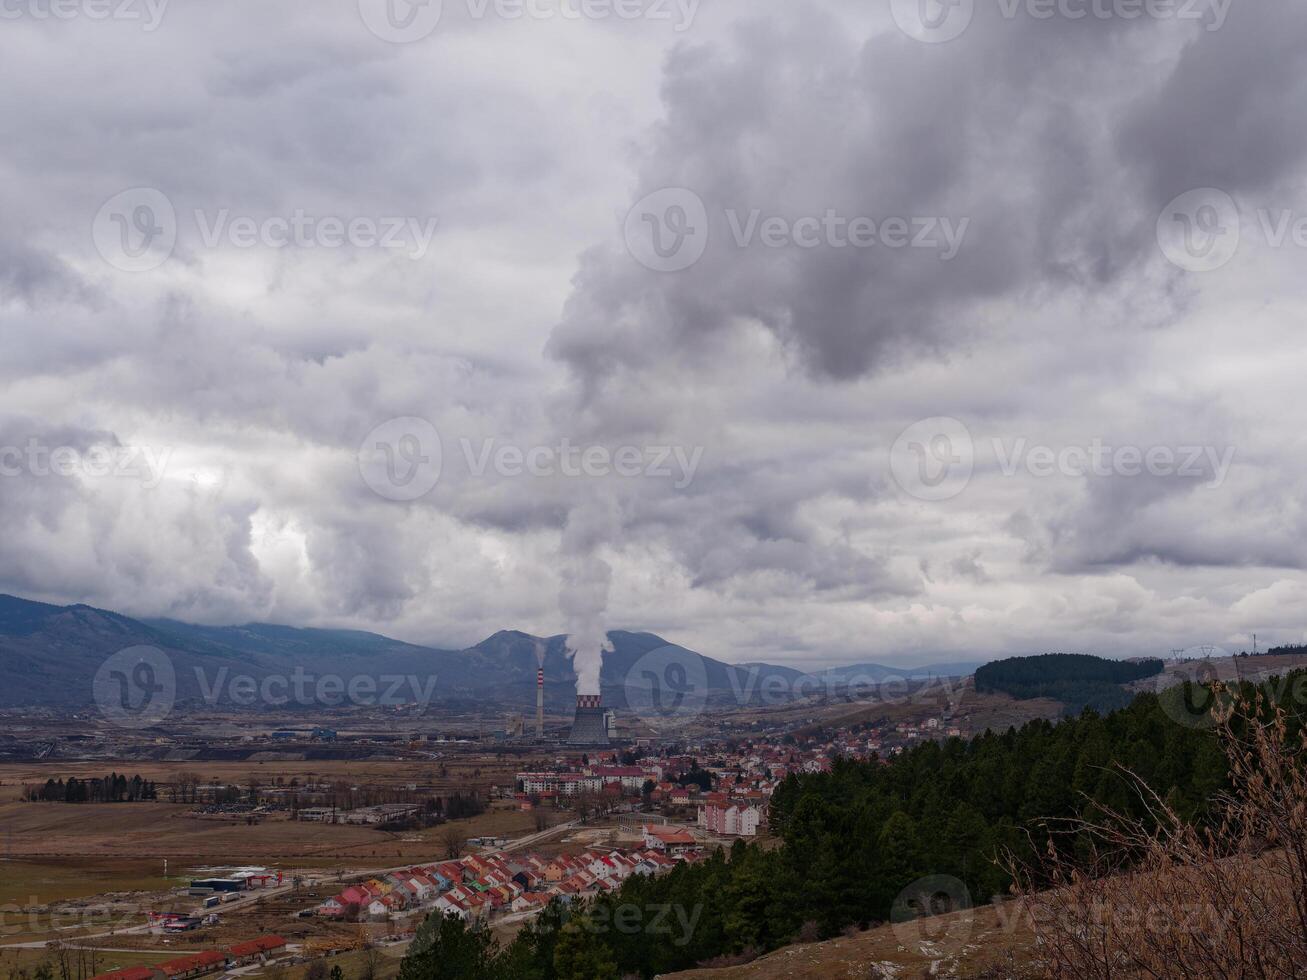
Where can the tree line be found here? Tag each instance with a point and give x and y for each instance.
(1291, 650)
(114, 788)
(1076, 679)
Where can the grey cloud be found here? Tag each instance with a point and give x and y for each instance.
(528, 322)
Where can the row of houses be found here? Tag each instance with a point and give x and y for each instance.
(475, 887)
(199, 964)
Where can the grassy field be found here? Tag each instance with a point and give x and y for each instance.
(385, 963)
(460, 772)
(13, 960)
(38, 883)
(166, 829)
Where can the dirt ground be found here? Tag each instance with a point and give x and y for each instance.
(40, 832)
(979, 942)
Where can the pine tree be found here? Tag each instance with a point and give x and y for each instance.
(581, 956)
(444, 948)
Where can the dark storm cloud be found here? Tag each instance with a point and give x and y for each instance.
(792, 370)
(1225, 116)
(796, 117)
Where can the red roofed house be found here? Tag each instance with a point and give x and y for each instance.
(670, 839)
(193, 966)
(129, 973)
(256, 949)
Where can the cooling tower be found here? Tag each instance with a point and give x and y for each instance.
(590, 726)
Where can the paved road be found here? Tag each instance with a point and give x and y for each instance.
(536, 838)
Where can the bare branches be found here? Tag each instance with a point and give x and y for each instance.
(1227, 900)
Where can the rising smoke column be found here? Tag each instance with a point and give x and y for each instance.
(583, 594)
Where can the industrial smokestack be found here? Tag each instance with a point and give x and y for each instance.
(540, 702)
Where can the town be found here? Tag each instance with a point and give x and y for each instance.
(501, 842)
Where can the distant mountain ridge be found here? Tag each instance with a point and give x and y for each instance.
(49, 655)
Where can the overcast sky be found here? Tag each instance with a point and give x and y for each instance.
(794, 331)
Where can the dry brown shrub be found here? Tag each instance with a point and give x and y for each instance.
(745, 956)
(1161, 898)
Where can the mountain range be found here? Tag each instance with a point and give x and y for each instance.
(50, 655)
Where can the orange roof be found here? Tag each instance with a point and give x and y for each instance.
(264, 944)
(188, 964)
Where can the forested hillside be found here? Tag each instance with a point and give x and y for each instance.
(1076, 679)
(855, 837)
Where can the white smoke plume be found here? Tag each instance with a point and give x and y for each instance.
(583, 595)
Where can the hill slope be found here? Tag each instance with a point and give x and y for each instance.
(974, 942)
(1077, 680)
(49, 655)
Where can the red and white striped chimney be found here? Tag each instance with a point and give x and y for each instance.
(540, 702)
